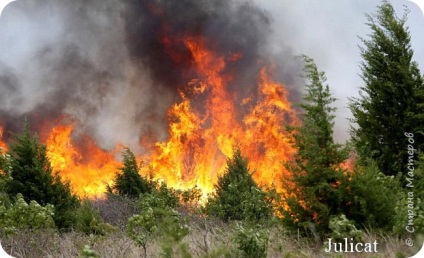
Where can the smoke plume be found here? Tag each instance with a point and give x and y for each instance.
(114, 67)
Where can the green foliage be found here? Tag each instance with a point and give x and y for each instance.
(419, 195)
(87, 252)
(374, 198)
(251, 242)
(89, 221)
(191, 197)
(21, 215)
(5, 172)
(140, 228)
(158, 219)
(392, 100)
(342, 228)
(313, 191)
(237, 196)
(174, 228)
(5, 165)
(128, 181)
(167, 197)
(32, 176)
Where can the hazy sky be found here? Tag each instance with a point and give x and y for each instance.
(328, 30)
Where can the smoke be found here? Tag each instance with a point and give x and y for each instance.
(109, 66)
(329, 31)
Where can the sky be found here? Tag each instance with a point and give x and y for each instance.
(328, 31)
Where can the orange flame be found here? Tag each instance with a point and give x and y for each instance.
(87, 175)
(198, 144)
(3, 145)
(200, 139)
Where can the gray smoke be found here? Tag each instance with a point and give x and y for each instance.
(107, 66)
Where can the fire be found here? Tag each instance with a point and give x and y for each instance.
(88, 175)
(199, 142)
(204, 126)
(3, 145)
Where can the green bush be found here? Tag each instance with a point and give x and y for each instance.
(167, 197)
(191, 197)
(5, 172)
(251, 242)
(157, 219)
(33, 177)
(342, 228)
(89, 221)
(237, 196)
(87, 252)
(21, 215)
(374, 200)
(128, 182)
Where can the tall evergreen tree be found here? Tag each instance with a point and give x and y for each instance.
(128, 181)
(313, 190)
(391, 102)
(237, 196)
(33, 177)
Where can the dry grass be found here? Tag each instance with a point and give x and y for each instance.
(206, 237)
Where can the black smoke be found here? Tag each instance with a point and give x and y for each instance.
(114, 67)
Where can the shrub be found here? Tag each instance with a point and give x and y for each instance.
(419, 195)
(191, 197)
(167, 197)
(87, 252)
(33, 177)
(373, 198)
(251, 242)
(157, 219)
(128, 181)
(342, 228)
(21, 215)
(237, 196)
(89, 221)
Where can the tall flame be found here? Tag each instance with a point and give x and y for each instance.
(199, 143)
(204, 127)
(88, 175)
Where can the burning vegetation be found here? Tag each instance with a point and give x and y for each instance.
(211, 87)
(202, 114)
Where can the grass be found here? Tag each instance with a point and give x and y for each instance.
(206, 237)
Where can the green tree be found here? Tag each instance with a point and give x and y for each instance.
(313, 191)
(237, 196)
(374, 199)
(32, 176)
(128, 181)
(392, 99)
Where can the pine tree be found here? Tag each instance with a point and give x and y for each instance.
(237, 196)
(392, 100)
(33, 177)
(128, 181)
(313, 191)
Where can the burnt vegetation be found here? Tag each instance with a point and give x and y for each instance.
(323, 196)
